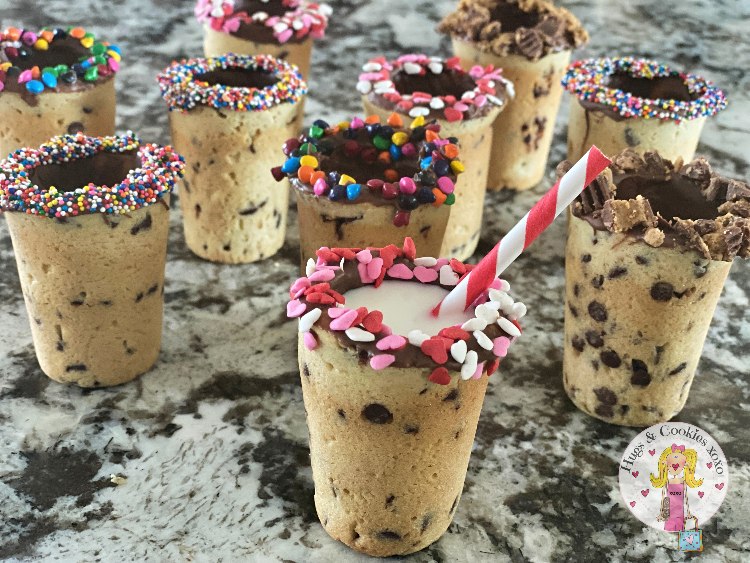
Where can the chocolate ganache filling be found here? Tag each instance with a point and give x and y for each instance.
(101, 169)
(512, 17)
(238, 78)
(258, 32)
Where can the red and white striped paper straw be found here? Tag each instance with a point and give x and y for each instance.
(524, 232)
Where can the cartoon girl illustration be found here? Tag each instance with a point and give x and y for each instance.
(676, 474)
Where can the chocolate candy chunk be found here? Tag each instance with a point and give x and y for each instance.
(640, 376)
(377, 414)
(530, 43)
(678, 369)
(610, 358)
(699, 170)
(594, 338)
(578, 343)
(617, 272)
(627, 160)
(621, 215)
(597, 311)
(388, 535)
(597, 194)
(605, 396)
(662, 291)
(597, 281)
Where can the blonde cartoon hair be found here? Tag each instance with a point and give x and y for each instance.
(691, 457)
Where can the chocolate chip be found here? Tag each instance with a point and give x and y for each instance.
(662, 291)
(389, 501)
(578, 343)
(452, 395)
(610, 358)
(143, 225)
(87, 111)
(658, 351)
(60, 346)
(426, 520)
(377, 414)
(139, 297)
(423, 391)
(594, 338)
(624, 409)
(152, 289)
(642, 260)
(198, 210)
(576, 290)
(604, 411)
(453, 506)
(573, 310)
(678, 369)
(597, 311)
(75, 127)
(342, 413)
(605, 396)
(306, 370)
(597, 281)
(630, 138)
(586, 258)
(595, 365)
(227, 247)
(411, 429)
(640, 375)
(388, 535)
(253, 209)
(76, 367)
(617, 272)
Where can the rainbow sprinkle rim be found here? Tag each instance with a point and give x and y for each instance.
(160, 168)
(585, 79)
(372, 141)
(302, 18)
(377, 76)
(103, 58)
(181, 91)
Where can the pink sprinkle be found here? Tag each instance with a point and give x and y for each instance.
(310, 341)
(400, 272)
(364, 256)
(295, 308)
(345, 321)
(496, 284)
(385, 330)
(460, 106)
(476, 72)
(391, 342)
(374, 268)
(2, 86)
(285, 35)
(446, 185)
(300, 283)
(25, 76)
(480, 101)
(363, 275)
(440, 263)
(322, 276)
(409, 149)
(382, 361)
(336, 312)
(478, 372)
(425, 275)
(320, 187)
(500, 346)
(407, 185)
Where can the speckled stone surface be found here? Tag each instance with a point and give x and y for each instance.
(213, 441)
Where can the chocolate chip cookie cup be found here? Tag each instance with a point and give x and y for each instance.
(228, 116)
(649, 248)
(52, 82)
(464, 103)
(639, 104)
(531, 40)
(371, 183)
(284, 29)
(392, 394)
(88, 217)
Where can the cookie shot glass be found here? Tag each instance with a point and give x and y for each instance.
(89, 218)
(52, 82)
(650, 245)
(620, 103)
(464, 103)
(228, 116)
(371, 183)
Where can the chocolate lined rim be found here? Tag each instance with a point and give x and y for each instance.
(159, 169)
(472, 349)
(470, 94)
(415, 165)
(587, 80)
(300, 19)
(54, 60)
(182, 88)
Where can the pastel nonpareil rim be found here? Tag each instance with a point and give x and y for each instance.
(474, 348)
(435, 157)
(160, 167)
(585, 79)
(303, 18)
(182, 91)
(489, 85)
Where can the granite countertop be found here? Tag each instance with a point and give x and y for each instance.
(212, 443)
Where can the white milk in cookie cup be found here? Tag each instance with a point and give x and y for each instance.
(392, 395)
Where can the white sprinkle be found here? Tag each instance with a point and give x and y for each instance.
(426, 261)
(510, 89)
(412, 68)
(504, 285)
(259, 16)
(505, 300)
(417, 111)
(437, 103)
(448, 276)
(325, 9)
(468, 95)
(470, 365)
(217, 12)
(435, 67)
(508, 326)
(372, 67)
(474, 324)
(483, 340)
(280, 27)
(359, 335)
(458, 351)
(416, 337)
(486, 313)
(517, 311)
(494, 305)
(495, 100)
(310, 267)
(307, 320)
(364, 86)
(384, 84)
(298, 24)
